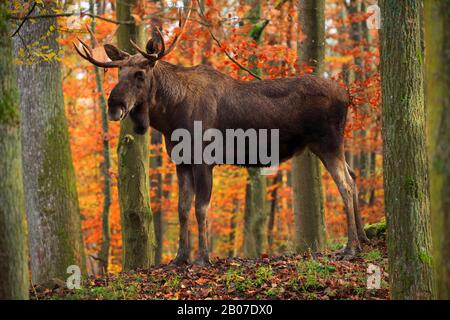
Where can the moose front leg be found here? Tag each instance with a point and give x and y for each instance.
(139, 116)
(185, 197)
(203, 187)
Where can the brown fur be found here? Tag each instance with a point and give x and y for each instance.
(309, 111)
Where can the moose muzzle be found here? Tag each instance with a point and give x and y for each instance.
(117, 109)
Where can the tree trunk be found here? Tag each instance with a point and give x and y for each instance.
(55, 238)
(306, 174)
(13, 248)
(232, 235)
(255, 214)
(249, 239)
(273, 208)
(138, 235)
(437, 39)
(255, 206)
(106, 165)
(359, 32)
(208, 44)
(361, 39)
(156, 184)
(405, 158)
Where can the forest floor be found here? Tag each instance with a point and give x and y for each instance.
(320, 277)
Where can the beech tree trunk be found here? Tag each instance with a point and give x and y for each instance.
(55, 238)
(106, 165)
(255, 216)
(310, 231)
(138, 234)
(255, 204)
(437, 72)
(13, 247)
(405, 156)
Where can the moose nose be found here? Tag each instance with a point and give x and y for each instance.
(115, 114)
(116, 105)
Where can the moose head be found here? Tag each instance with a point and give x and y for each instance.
(136, 87)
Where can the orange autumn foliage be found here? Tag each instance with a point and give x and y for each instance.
(276, 56)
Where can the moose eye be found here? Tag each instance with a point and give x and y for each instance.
(140, 75)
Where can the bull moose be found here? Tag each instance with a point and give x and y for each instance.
(309, 112)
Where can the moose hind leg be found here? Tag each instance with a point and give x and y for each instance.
(358, 220)
(185, 197)
(203, 188)
(337, 168)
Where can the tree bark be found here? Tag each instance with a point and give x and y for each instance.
(273, 208)
(437, 73)
(306, 174)
(232, 235)
(255, 214)
(13, 247)
(138, 235)
(255, 205)
(405, 158)
(106, 165)
(55, 238)
(156, 182)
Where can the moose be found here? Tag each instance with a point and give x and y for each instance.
(309, 112)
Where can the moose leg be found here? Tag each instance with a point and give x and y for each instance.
(337, 167)
(203, 187)
(359, 225)
(185, 197)
(139, 116)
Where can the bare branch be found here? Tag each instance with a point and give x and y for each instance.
(232, 59)
(250, 72)
(66, 14)
(280, 3)
(23, 21)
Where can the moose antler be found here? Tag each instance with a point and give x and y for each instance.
(149, 56)
(88, 54)
(181, 26)
(163, 52)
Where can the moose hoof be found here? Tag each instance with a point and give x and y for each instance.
(348, 253)
(363, 239)
(202, 261)
(179, 261)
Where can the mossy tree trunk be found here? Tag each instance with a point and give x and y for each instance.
(306, 173)
(255, 216)
(51, 198)
(404, 151)
(138, 234)
(13, 241)
(437, 72)
(105, 248)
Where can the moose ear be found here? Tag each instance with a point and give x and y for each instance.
(114, 53)
(153, 46)
(150, 47)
